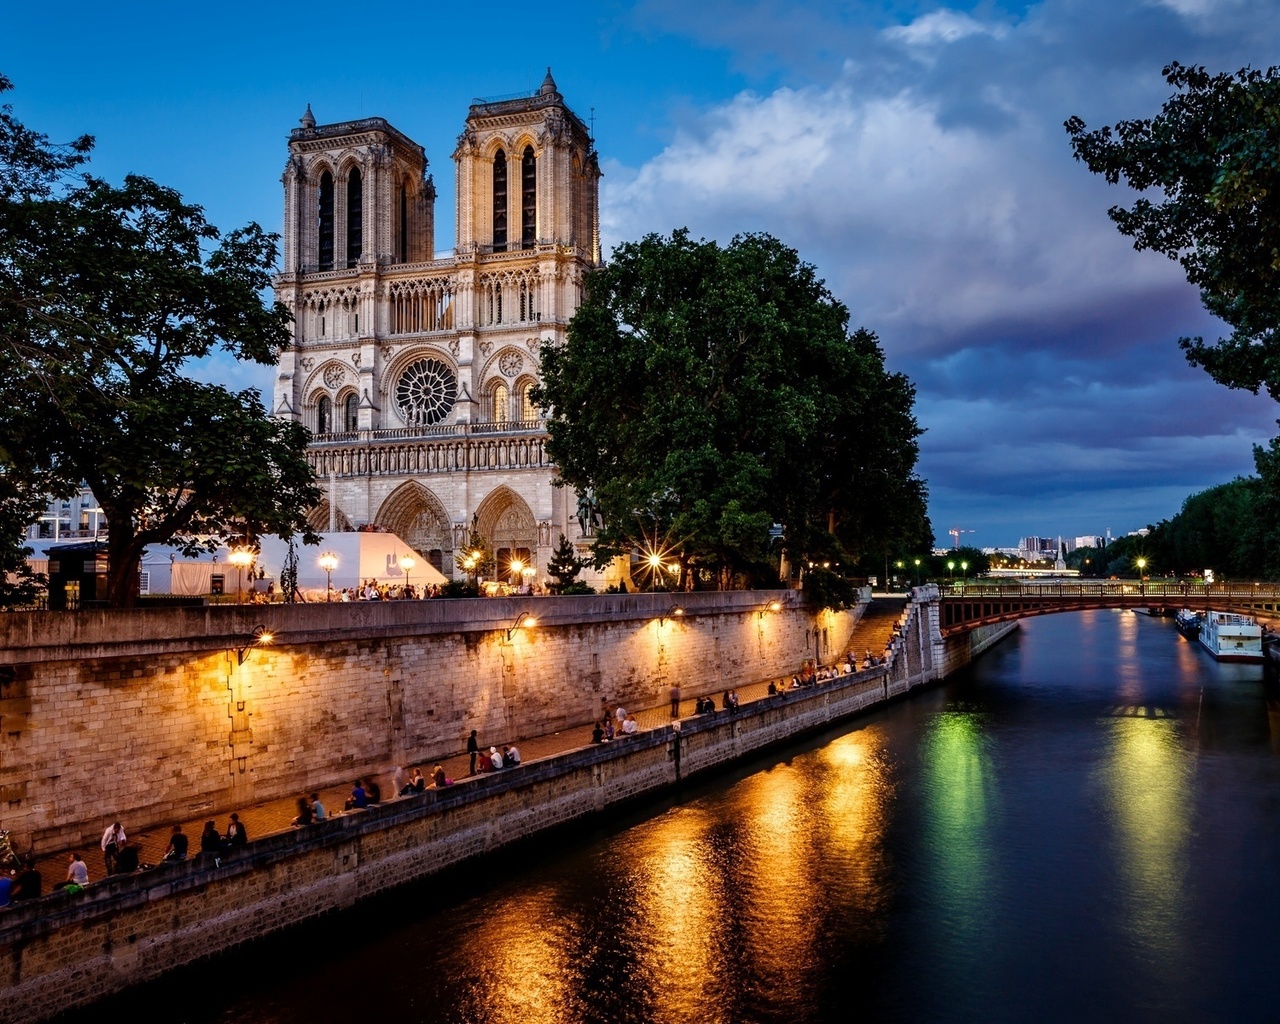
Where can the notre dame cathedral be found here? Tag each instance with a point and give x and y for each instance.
(413, 369)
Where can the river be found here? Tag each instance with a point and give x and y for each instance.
(1084, 826)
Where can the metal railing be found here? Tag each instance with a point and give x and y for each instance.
(1110, 588)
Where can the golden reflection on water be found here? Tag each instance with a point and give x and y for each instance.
(1148, 780)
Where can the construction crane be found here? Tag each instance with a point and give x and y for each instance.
(955, 535)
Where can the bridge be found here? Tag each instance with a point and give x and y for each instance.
(965, 606)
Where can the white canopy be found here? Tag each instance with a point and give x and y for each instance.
(361, 556)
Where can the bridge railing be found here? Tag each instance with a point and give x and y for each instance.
(1161, 589)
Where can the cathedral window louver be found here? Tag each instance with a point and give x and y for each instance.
(528, 199)
(500, 202)
(325, 225)
(355, 217)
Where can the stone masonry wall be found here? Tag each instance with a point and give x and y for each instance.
(71, 950)
(151, 716)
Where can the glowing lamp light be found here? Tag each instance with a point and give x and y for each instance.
(328, 562)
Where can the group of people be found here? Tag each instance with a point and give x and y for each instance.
(491, 761)
(614, 725)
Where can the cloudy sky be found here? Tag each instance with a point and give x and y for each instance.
(913, 152)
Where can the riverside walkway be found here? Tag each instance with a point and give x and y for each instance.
(272, 816)
(873, 633)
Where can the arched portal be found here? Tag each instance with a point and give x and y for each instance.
(418, 518)
(507, 524)
(318, 518)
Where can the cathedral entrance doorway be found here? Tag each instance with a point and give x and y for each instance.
(508, 526)
(418, 518)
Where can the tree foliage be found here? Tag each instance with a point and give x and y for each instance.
(1214, 153)
(107, 296)
(707, 392)
(564, 566)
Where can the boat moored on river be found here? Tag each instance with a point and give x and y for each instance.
(1232, 637)
(1188, 623)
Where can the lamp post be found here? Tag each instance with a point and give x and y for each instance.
(407, 562)
(241, 558)
(1142, 583)
(917, 572)
(964, 571)
(515, 569)
(328, 562)
(951, 574)
(655, 567)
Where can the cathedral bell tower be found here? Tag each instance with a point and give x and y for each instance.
(528, 175)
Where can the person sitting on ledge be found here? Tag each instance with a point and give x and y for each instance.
(29, 881)
(400, 782)
(484, 764)
(418, 783)
(438, 777)
(358, 798)
(77, 872)
(630, 726)
(512, 755)
(177, 848)
(236, 835)
(597, 734)
(495, 758)
(318, 812)
(210, 841)
(373, 790)
(305, 813)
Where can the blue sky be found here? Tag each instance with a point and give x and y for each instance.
(913, 152)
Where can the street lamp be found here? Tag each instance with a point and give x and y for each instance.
(951, 573)
(964, 571)
(516, 567)
(655, 567)
(1141, 563)
(917, 572)
(328, 562)
(241, 558)
(524, 620)
(407, 562)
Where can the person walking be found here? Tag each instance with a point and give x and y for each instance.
(473, 748)
(675, 700)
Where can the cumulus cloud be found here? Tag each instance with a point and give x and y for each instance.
(940, 200)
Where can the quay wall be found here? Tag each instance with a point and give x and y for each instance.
(65, 951)
(158, 715)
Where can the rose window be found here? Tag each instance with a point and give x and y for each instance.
(426, 391)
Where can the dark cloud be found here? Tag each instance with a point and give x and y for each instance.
(916, 155)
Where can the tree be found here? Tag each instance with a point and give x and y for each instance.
(706, 393)
(564, 566)
(476, 559)
(1214, 152)
(109, 294)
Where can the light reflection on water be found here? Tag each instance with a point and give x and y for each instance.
(1082, 828)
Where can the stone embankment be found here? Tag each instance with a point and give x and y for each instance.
(65, 951)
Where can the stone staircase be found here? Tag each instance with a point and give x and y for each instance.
(875, 629)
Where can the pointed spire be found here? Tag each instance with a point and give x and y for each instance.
(308, 120)
(548, 85)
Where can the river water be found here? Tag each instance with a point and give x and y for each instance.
(1084, 826)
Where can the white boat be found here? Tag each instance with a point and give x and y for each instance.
(1231, 637)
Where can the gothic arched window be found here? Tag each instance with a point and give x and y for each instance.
(500, 202)
(404, 223)
(350, 415)
(528, 411)
(499, 403)
(325, 222)
(355, 217)
(324, 416)
(528, 199)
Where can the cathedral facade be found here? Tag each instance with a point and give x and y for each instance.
(413, 371)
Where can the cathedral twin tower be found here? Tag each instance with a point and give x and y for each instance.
(414, 372)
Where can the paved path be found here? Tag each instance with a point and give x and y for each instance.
(277, 815)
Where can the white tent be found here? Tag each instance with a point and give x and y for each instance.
(361, 556)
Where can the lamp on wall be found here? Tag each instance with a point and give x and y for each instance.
(772, 606)
(524, 619)
(260, 637)
(674, 612)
